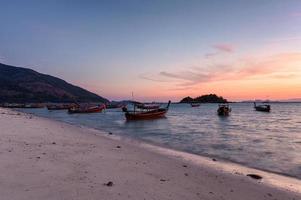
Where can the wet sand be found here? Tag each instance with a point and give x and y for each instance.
(45, 159)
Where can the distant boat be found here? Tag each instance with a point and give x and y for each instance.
(34, 105)
(13, 105)
(86, 109)
(223, 109)
(262, 107)
(113, 106)
(145, 114)
(195, 104)
(59, 106)
(19, 105)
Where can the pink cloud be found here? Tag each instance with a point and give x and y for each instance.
(296, 14)
(229, 48)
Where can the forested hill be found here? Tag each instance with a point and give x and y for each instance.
(21, 85)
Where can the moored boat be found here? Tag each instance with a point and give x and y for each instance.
(60, 106)
(223, 109)
(22, 105)
(146, 114)
(113, 106)
(86, 109)
(195, 104)
(262, 108)
(34, 105)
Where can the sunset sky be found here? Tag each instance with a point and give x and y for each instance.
(160, 50)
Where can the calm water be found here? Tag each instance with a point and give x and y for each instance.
(269, 141)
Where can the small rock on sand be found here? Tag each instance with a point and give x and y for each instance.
(255, 176)
(109, 184)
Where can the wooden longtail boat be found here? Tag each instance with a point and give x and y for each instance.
(262, 108)
(86, 109)
(145, 115)
(223, 110)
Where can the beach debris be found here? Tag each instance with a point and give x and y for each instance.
(53, 142)
(118, 147)
(184, 165)
(109, 184)
(163, 180)
(255, 176)
(38, 157)
(214, 159)
(110, 133)
(185, 174)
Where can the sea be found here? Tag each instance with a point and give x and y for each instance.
(266, 141)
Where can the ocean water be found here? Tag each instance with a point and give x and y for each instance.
(268, 141)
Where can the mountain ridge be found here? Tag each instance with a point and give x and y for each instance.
(21, 85)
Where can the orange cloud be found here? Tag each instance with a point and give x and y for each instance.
(255, 76)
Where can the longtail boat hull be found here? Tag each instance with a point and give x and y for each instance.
(145, 116)
(93, 109)
(262, 108)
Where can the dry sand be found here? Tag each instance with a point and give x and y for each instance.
(43, 159)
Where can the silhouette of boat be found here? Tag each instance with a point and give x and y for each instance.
(262, 107)
(59, 106)
(195, 104)
(145, 114)
(22, 105)
(223, 109)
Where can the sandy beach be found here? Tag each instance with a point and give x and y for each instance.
(46, 159)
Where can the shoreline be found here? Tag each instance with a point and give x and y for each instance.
(148, 142)
(85, 159)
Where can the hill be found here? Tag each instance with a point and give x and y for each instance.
(208, 98)
(21, 85)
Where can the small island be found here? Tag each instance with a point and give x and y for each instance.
(208, 98)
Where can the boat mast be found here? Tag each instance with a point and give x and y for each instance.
(133, 102)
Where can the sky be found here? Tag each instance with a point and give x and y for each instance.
(159, 49)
